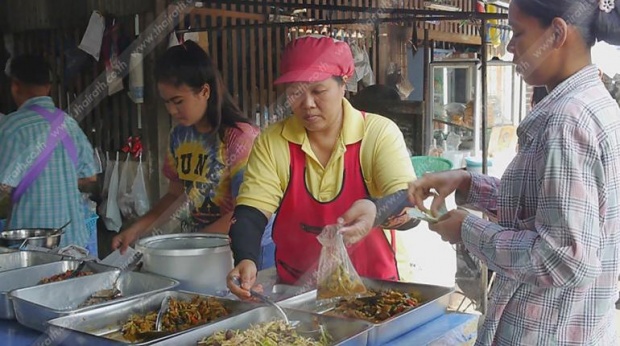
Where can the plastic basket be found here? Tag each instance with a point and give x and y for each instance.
(91, 227)
(429, 164)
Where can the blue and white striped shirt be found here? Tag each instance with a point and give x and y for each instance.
(54, 198)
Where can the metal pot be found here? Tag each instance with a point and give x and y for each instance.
(41, 237)
(199, 261)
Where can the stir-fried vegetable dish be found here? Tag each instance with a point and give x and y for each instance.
(377, 308)
(340, 283)
(274, 333)
(180, 315)
(64, 276)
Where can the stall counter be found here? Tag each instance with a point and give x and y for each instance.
(449, 329)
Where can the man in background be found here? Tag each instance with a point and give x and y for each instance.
(44, 155)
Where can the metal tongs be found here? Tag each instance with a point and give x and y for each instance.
(77, 270)
(264, 299)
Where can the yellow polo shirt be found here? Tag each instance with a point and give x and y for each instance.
(385, 163)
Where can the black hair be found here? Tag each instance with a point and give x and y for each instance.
(539, 93)
(592, 22)
(31, 70)
(339, 80)
(189, 64)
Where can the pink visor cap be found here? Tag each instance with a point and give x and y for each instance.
(315, 59)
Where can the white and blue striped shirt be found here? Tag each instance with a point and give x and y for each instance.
(54, 198)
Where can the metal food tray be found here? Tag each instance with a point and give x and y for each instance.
(102, 326)
(34, 306)
(23, 259)
(6, 250)
(435, 300)
(30, 276)
(343, 331)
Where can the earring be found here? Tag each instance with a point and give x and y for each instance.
(606, 5)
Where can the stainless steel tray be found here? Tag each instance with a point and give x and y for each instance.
(343, 331)
(435, 300)
(102, 326)
(30, 276)
(23, 259)
(34, 306)
(6, 250)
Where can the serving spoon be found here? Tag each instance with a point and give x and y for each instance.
(263, 298)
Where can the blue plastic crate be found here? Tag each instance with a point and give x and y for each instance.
(91, 227)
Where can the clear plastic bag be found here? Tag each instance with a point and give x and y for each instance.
(336, 277)
(108, 209)
(124, 197)
(139, 196)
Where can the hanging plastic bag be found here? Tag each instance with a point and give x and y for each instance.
(109, 211)
(124, 198)
(139, 196)
(107, 174)
(337, 278)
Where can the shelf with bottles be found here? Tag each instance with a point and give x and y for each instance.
(462, 115)
(454, 124)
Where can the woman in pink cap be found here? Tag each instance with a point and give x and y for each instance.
(312, 166)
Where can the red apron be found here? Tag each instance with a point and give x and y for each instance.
(301, 218)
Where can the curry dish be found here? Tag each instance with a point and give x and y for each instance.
(340, 283)
(181, 315)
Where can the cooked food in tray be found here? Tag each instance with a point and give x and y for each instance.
(101, 297)
(376, 308)
(181, 315)
(272, 333)
(64, 276)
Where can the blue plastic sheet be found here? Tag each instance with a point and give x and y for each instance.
(450, 329)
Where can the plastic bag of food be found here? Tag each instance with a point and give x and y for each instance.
(336, 277)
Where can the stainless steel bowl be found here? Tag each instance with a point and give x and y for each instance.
(199, 261)
(42, 237)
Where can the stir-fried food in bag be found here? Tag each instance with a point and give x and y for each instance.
(181, 315)
(337, 278)
(272, 333)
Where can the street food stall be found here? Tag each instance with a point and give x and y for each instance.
(106, 305)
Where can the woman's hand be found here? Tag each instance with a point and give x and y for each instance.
(443, 184)
(449, 226)
(357, 221)
(245, 271)
(124, 239)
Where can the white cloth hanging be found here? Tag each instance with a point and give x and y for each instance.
(93, 37)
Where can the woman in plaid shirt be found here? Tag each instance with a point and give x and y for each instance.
(556, 246)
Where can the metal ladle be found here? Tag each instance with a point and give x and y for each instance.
(264, 299)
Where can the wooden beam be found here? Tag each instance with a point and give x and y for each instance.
(437, 35)
(216, 12)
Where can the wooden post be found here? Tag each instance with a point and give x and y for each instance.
(156, 119)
